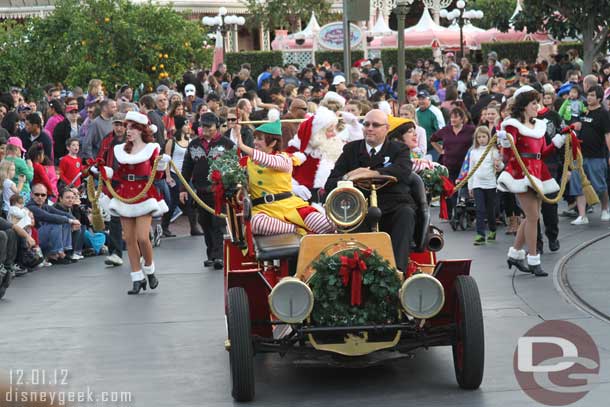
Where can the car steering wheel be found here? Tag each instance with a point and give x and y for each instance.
(380, 181)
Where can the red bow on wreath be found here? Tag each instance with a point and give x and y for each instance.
(354, 267)
(447, 192)
(219, 191)
(97, 163)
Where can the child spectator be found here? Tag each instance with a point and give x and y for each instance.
(9, 188)
(482, 184)
(70, 165)
(18, 215)
(572, 107)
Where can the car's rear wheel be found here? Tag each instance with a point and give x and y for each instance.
(241, 353)
(5, 282)
(469, 344)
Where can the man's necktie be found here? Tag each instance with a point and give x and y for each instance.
(373, 152)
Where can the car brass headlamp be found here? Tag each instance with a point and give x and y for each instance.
(346, 206)
(291, 300)
(422, 296)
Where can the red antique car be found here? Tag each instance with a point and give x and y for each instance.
(339, 298)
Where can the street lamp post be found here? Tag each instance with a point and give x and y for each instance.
(225, 24)
(436, 6)
(402, 9)
(462, 15)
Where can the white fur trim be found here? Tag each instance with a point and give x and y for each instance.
(324, 168)
(148, 207)
(273, 115)
(136, 117)
(333, 97)
(533, 260)
(516, 254)
(538, 131)
(148, 270)
(506, 183)
(523, 89)
(559, 140)
(302, 157)
(295, 142)
(124, 157)
(323, 119)
(109, 172)
(137, 275)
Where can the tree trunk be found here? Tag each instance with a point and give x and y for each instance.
(589, 49)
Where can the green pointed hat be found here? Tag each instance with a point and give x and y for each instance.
(274, 128)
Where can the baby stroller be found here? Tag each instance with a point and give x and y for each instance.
(464, 213)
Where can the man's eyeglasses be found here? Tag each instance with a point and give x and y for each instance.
(231, 119)
(39, 194)
(373, 124)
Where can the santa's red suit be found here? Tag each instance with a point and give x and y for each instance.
(317, 153)
(132, 174)
(532, 147)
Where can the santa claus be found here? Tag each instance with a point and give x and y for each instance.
(318, 147)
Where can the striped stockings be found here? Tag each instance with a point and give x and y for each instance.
(266, 225)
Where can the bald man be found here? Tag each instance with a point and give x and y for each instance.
(374, 156)
(297, 110)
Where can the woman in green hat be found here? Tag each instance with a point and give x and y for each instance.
(275, 209)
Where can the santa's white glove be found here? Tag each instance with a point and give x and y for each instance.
(559, 140)
(503, 138)
(301, 191)
(349, 118)
(162, 164)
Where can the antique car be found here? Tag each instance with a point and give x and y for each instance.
(338, 297)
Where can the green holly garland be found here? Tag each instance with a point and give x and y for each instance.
(333, 298)
(226, 163)
(432, 179)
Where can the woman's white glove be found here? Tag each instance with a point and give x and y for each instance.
(162, 164)
(559, 140)
(301, 191)
(503, 138)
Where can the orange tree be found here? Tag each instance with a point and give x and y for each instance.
(113, 40)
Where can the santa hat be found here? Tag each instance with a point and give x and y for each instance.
(323, 119)
(334, 97)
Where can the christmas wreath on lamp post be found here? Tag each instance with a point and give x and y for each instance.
(354, 287)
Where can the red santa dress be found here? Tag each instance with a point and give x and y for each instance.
(132, 174)
(532, 143)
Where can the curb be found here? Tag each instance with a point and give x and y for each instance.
(562, 285)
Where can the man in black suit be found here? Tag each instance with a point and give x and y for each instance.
(374, 156)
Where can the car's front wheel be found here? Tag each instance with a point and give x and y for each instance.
(241, 353)
(469, 344)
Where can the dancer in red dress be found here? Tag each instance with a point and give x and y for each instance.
(135, 165)
(527, 133)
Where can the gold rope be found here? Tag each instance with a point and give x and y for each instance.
(94, 196)
(192, 193)
(142, 193)
(567, 164)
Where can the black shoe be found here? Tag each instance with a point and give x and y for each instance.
(218, 264)
(168, 233)
(554, 245)
(137, 286)
(208, 263)
(537, 271)
(196, 232)
(152, 281)
(520, 264)
(60, 260)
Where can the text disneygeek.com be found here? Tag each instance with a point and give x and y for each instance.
(61, 398)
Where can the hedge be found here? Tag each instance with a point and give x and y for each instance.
(256, 59)
(515, 51)
(564, 47)
(337, 56)
(389, 56)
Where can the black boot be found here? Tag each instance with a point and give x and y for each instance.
(521, 264)
(554, 245)
(165, 220)
(195, 227)
(137, 286)
(152, 281)
(537, 271)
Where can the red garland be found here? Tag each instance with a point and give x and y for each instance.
(219, 191)
(354, 267)
(448, 189)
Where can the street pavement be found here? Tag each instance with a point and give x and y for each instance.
(165, 347)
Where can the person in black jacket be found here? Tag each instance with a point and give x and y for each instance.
(374, 156)
(195, 169)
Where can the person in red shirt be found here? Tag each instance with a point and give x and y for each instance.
(70, 165)
(37, 156)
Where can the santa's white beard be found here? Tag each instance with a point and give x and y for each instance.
(324, 148)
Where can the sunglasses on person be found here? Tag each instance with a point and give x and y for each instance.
(373, 124)
(231, 119)
(39, 194)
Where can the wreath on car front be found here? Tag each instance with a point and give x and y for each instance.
(354, 287)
